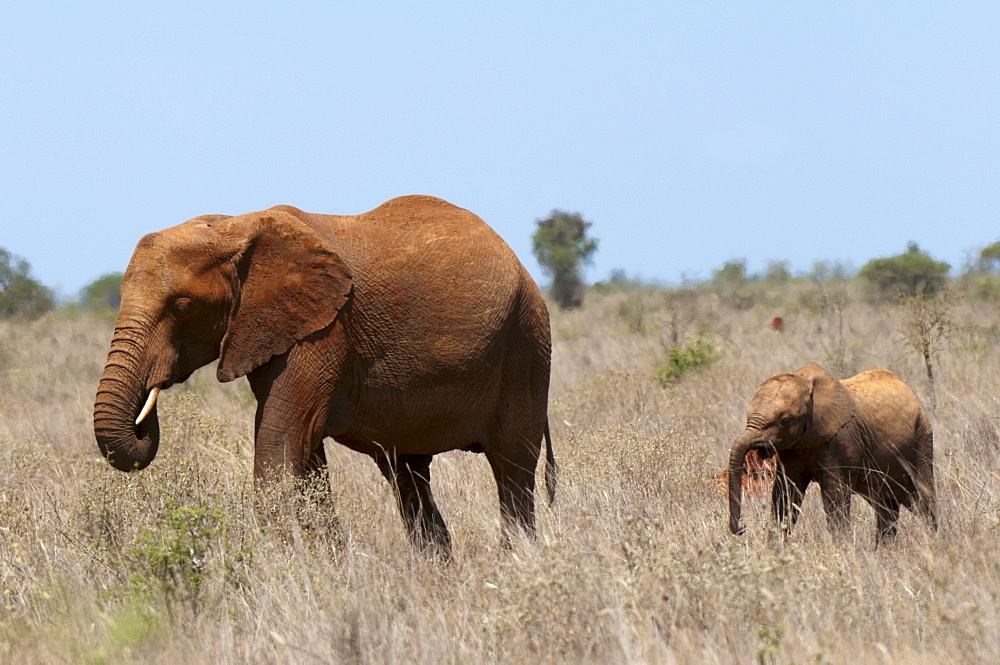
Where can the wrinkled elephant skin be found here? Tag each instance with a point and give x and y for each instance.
(401, 333)
(865, 435)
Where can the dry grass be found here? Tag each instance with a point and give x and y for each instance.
(634, 563)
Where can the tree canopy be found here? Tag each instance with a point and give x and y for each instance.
(732, 273)
(561, 245)
(103, 293)
(20, 294)
(909, 273)
(989, 257)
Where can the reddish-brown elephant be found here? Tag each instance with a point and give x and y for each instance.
(401, 333)
(865, 435)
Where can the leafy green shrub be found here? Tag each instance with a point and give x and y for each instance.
(981, 285)
(20, 294)
(732, 272)
(909, 273)
(618, 281)
(175, 556)
(777, 273)
(104, 293)
(981, 279)
(681, 360)
(989, 258)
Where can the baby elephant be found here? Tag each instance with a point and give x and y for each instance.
(867, 434)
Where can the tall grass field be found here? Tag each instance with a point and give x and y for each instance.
(634, 563)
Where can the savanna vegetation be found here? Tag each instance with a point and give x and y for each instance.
(21, 295)
(562, 247)
(184, 562)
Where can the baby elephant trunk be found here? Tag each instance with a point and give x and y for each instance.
(737, 455)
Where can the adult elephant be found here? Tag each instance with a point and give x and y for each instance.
(401, 333)
(867, 435)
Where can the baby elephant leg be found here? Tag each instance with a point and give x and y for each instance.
(790, 483)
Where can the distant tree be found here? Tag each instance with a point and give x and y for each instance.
(989, 258)
(103, 293)
(733, 284)
(777, 273)
(618, 278)
(825, 271)
(618, 281)
(732, 273)
(20, 294)
(981, 278)
(561, 245)
(909, 273)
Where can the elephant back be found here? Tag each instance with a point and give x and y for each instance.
(431, 280)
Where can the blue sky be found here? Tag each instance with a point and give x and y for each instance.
(689, 133)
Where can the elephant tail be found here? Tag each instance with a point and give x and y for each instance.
(551, 471)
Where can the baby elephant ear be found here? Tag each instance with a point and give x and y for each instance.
(292, 283)
(832, 403)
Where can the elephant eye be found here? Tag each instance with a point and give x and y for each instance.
(182, 307)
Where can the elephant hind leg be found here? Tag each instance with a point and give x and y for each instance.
(925, 508)
(515, 477)
(923, 476)
(922, 504)
(925, 499)
(886, 515)
(410, 477)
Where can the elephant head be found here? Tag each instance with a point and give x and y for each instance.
(802, 409)
(240, 289)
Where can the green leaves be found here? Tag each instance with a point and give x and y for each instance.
(561, 245)
(909, 273)
(104, 293)
(699, 353)
(21, 295)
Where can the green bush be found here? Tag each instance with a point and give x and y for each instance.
(909, 273)
(21, 295)
(777, 273)
(182, 551)
(104, 293)
(618, 281)
(681, 360)
(732, 273)
(989, 258)
(980, 285)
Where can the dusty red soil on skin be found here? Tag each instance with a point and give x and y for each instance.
(758, 476)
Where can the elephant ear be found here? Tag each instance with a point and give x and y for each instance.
(832, 403)
(291, 283)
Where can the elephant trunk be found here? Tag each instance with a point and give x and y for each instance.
(121, 396)
(737, 455)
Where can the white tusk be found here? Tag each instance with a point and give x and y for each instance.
(150, 403)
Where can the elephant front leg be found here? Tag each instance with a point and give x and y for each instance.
(886, 515)
(288, 443)
(790, 483)
(292, 411)
(410, 478)
(836, 502)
